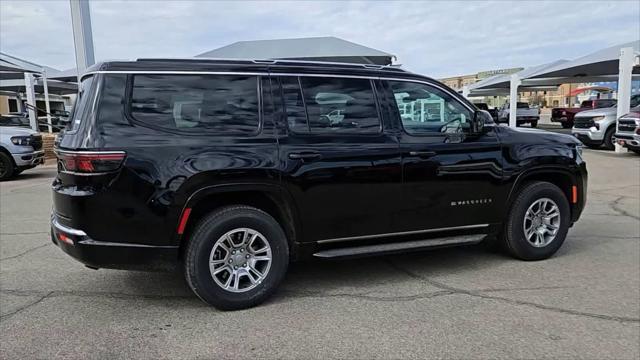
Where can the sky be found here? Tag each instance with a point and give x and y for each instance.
(434, 38)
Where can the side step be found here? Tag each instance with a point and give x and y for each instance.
(400, 246)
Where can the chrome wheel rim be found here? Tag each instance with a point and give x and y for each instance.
(541, 222)
(240, 260)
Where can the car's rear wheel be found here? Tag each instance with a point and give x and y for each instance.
(608, 138)
(538, 222)
(534, 124)
(6, 167)
(566, 125)
(236, 257)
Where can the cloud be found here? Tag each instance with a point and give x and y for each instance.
(435, 38)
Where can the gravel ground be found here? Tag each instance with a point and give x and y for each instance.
(450, 303)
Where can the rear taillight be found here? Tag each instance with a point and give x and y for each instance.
(90, 162)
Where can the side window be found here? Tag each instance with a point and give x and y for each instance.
(340, 105)
(216, 104)
(294, 105)
(425, 109)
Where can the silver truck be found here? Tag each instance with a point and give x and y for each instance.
(524, 114)
(596, 128)
(628, 133)
(20, 149)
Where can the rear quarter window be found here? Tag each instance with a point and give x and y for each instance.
(82, 104)
(197, 104)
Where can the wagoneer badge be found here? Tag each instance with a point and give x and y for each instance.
(471, 202)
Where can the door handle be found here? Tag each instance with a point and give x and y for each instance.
(306, 156)
(422, 154)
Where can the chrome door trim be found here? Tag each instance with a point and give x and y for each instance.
(375, 236)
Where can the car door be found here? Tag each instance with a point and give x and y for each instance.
(339, 165)
(452, 178)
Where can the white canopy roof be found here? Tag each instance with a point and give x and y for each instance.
(600, 63)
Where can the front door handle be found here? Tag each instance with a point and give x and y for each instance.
(422, 154)
(306, 156)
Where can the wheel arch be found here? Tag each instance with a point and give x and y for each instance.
(270, 198)
(561, 177)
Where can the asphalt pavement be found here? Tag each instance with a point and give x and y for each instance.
(450, 303)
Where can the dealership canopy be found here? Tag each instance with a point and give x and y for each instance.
(331, 49)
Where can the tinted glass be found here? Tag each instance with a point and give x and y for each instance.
(294, 105)
(338, 105)
(586, 104)
(217, 104)
(522, 105)
(425, 109)
(635, 101)
(81, 106)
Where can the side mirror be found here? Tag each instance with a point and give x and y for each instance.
(481, 119)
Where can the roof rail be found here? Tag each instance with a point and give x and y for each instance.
(279, 61)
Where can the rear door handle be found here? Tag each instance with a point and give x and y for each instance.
(422, 154)
(306, 156)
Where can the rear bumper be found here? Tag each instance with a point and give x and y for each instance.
(112, 255)
(561, 119)
(29, 159)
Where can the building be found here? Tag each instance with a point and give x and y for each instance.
(457, 82)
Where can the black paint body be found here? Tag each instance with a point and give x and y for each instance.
(359, 186)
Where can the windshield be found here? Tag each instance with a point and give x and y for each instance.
(523, 105)
(80, 107)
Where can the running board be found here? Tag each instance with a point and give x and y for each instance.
(400, 246)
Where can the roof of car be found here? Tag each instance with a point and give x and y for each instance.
(249, 65)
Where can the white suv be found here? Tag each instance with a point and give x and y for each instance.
(20, 149)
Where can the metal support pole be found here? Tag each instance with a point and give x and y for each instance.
(82, 35)
(31, 100)
(46, 100)
(513, 99)
(625, 69)
(465, 91)
(627, 58)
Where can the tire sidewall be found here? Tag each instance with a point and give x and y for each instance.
(517, 242)
(203, 240)
(608, 139)
(8, 163)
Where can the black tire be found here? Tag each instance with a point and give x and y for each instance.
(213, 226)
(513, 236)
(6, 167)
(637, 151)
(608, 138)
(566, 125)
(534, 124)
(593, 146)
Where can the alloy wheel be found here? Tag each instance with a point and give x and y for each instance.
(240, 260)
(541, 222)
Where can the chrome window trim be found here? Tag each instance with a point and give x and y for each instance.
(267, 73)
(375, 236)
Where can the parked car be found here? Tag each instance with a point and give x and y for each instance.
(20, 149)
(524, 114)
(596, 128)
(232, 169)
(628, 130)
(565, 115)
(492, 111)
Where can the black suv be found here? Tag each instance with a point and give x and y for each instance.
(232, 169)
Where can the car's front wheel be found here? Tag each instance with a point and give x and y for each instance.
(608, 138)
(236, 257)
(6, 167)
(537, 223)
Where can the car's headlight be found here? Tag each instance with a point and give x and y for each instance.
(598, 118)
(21, 140)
